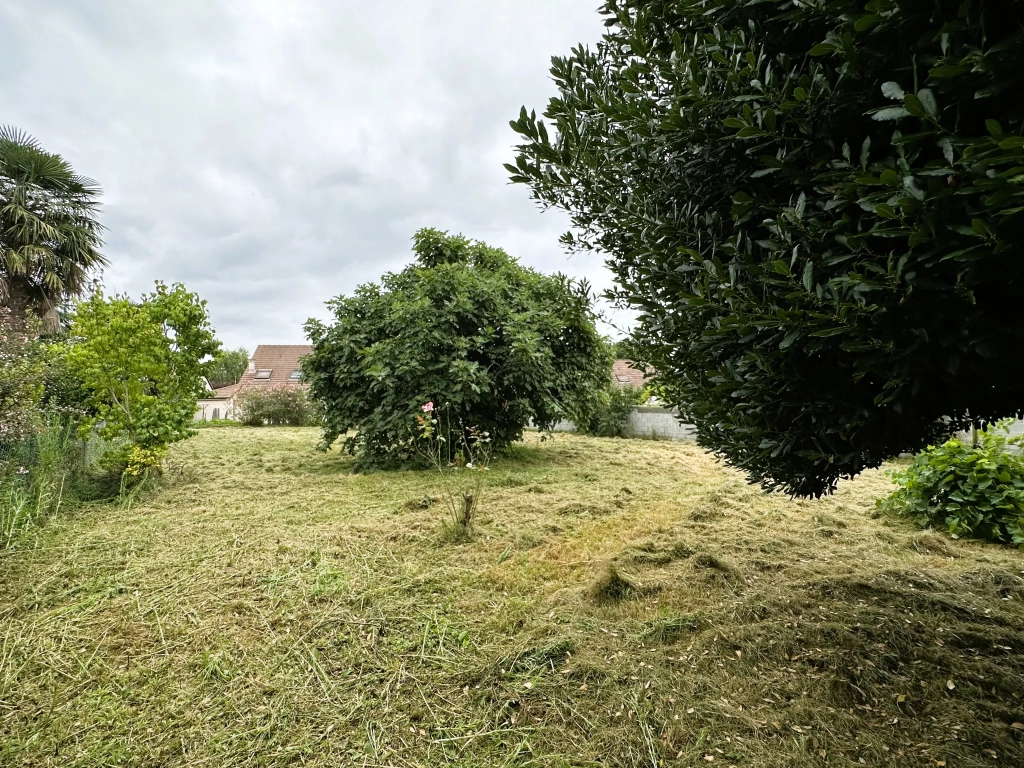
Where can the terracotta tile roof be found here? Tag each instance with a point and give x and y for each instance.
(225, 392)
(623, 375)
(272, 365)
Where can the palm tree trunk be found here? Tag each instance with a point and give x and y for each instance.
(18, 302)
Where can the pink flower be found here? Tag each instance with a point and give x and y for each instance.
(428, 407)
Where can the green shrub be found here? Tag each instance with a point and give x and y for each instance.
(612, 415)
(976, 492)
(276, 406)
(466, 327)
(40, 474)
(64, 391)
(815, 209)
(22, 366)
(43, 462)
(216, 423)
(140, 362)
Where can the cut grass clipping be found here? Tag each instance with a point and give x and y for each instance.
(266, 607)
(611, 587)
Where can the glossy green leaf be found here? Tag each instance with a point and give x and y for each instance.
(914, 106)
(866, 22)
(892, 90)
(890, 113)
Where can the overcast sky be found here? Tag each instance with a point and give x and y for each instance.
(272, 154)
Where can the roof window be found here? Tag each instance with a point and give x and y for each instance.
(263, 373)
(623, 379)
(295, 375)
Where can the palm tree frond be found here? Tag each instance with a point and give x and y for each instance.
(49, 233)
(9, 133)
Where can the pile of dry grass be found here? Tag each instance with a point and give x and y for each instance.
(611, 587)
(268, 608)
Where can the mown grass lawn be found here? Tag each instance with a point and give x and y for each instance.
(267, 607)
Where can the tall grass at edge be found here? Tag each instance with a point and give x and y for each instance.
(39, 474)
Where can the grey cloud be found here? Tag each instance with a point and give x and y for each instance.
(272, 155)
(347, 177)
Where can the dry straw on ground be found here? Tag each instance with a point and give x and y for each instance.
(268, 608)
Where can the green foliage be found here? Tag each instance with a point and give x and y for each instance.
(653, 391)
(40, 474)
(969, 491)
(42, 462)
(141, 363)
(64, 391)
(216, 423)
(49, 235)
(610, 418)
(227, 367)
(465, 327)
(622, 349)
(22, 368)
(276, 406)
(816, 209)
(461, 456)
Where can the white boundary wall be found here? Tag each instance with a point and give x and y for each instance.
(208, 408)
(1016, 429)
(655, 423)
(649, 422)
(662, 424)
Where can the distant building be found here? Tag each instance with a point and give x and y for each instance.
(624, 376)
(218, 404)
(278, 365)
(274, 365)
(271, 365)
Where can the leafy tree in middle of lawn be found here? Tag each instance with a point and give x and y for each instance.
(492, 343)
(142, 363)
